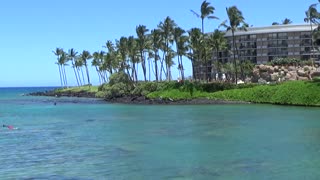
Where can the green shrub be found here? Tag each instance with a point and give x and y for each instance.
(144, 88)
(120, 77)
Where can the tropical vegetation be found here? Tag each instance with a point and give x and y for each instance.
(157, 50)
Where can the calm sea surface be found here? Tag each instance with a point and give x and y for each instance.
(90, 139)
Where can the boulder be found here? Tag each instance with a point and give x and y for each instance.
(274, 76)
(292, 68)
(314, 74)
(265, 75)
(302, 73)
(263, 68)
(270, 69)
(291, 76)
(303, 78)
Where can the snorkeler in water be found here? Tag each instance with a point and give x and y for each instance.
(9, 127)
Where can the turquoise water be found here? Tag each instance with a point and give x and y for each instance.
(90, 139)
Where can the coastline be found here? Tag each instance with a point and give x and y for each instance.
(138, 100)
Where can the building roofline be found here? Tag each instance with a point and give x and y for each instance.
(272, 29)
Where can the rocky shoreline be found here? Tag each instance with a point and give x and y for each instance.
(142, 100)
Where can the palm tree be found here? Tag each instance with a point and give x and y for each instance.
(195, 49)
(286, 21)
(133, 56)
(236, 22)
(63, 62)
(156, 45)
(79, 64)
(311, 17)
(205, 11)
(122, 46)
(166, 28)
(218, 43)
(72, 55)
(181, 47)
(96, 62)
(275, 23)
(58, 52)
(85, 55)
(141, 31)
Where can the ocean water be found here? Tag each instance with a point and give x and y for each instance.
(90, 139)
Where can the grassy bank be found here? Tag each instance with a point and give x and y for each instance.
(306, 93)
(90, 89)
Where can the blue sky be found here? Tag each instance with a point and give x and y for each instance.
(31, 30)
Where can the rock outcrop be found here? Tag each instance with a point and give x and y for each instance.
(266, 73)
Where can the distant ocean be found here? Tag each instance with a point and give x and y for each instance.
(80, 138)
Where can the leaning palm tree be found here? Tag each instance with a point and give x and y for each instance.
(181, 47)
(72, 55)
(141, 31)
(85, 56)
(58, 52)
(236, 22)
(205, 12)
(62, 61)
(286, 21)
(96, 62)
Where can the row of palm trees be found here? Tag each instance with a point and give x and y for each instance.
(155, 50)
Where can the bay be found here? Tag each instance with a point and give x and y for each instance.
(81, 138)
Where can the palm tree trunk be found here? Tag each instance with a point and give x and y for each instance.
(202, 25)
(156, 65)
(182, 69)
(98, 74)
(74, 70)
(234, 56)
(79, 77)
(87, 72)
(60, 75)
(312, 53)
(143, 64)
(65, 76)
(84, 82)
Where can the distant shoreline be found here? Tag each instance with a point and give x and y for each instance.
(135, 99)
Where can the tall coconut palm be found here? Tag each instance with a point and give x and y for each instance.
(63, 62)
(122, 46)
(79, 64)
(141, 31)
(218, 43)
(96, 62)
(156, 45)
(166, 28)
(205, 12)
(133, 56)
(72, 55)
(236, 22)
(195, 49)
(312, 17)
(58, 52)
(85, 56)
(181, 47)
